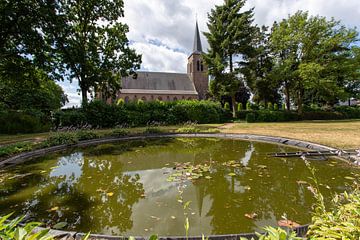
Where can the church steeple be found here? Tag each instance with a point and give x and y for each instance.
(197, 69)
(197, 41)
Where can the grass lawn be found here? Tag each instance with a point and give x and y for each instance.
(339, 134)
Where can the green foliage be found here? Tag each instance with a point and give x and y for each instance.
(349, 112)
(248, 106)
(239, 107)
(119, 132)
(276, 107)
(86, 135)
(13, 122)
(313, 58)
(227, 106)
(250, 117)
(15, 148)
(97, 55)
(188, 129)
(232, 37)
(12, 230)
(270, 106)
(103, 115)
(342, 221)
(153, 130)
(120, 102)
(283, 107)
(61, 138)
(278, 234)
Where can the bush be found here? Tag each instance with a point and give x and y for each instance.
(153, 130)
(276, 107)
(119, 132)
(61, 138)
(188, 130)
(283, 107)
(69, 118)
(13, 122)
(15, 148)
(239, 107)
(86, 135)
(248, 106)
(250, 117)
(322, 115)
(270, 106)
(349, 112)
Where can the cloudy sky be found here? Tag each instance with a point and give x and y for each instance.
(163, 30)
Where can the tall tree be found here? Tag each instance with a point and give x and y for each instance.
(92, 44)
(312, 53)
(230, 36)
(259, 73)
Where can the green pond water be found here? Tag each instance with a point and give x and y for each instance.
(124, 188)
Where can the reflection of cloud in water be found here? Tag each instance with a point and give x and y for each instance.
(69, 167)
(245, 160)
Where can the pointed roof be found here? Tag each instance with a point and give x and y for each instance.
(197, 41)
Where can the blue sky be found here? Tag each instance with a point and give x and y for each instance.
(163, 30)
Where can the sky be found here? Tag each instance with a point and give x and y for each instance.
(162, 31)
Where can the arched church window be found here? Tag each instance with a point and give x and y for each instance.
(160, 98)
(143, 98)
(202, 66)
(175, 98)
(198, 65)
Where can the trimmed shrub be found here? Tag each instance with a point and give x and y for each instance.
(322, 115)
(276, 107)
(248, 106)
(239, 107)
(270, 106)
(349, 112)
(227, 106)
(283, 107)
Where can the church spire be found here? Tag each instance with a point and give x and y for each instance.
(197, 41)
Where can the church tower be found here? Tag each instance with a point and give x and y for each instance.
(196, 68)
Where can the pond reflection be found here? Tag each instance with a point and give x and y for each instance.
(122, 188)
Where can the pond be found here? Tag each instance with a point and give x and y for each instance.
(140, 187)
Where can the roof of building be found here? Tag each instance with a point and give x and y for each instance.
(175, 83)
(197, 41)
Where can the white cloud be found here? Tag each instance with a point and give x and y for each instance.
(170, 24)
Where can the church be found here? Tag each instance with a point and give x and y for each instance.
(150, 86)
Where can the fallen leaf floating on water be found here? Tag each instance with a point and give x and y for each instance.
(288, 223)
(301, 182)
(110, 194)
(156, 218)
(173, 217)
(60, 225)
(251, 215)
(53, 209)
(232, 174)
(349, 178)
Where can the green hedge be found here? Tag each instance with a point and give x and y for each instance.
(13, 122)
(285, 116)
(100, 114)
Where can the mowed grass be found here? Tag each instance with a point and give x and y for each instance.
(339, 134)
(343, 134)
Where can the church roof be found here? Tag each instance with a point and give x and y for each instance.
(197, 40)
(158, 83)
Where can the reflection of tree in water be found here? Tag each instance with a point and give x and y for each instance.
(83, 200)
(270, 194)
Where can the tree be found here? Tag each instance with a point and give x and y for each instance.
(229, 37)
(259, 76)
(92, 44)
(312, 53)
(32, 90)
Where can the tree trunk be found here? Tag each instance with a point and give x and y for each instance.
(287, 97)
(233, 105)
(84, 96)
(300, 102)
(231, 63)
